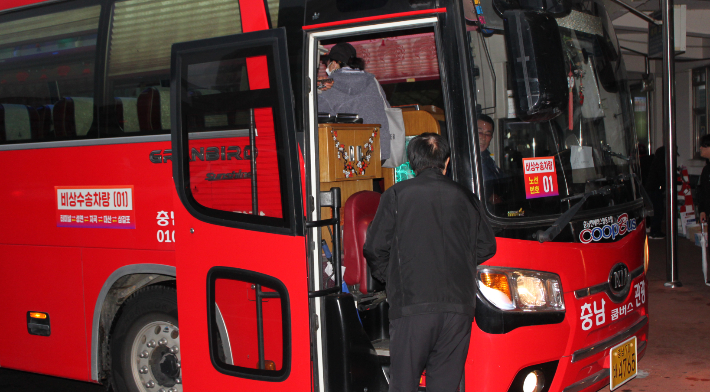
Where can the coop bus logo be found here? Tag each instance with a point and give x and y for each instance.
(605, 228)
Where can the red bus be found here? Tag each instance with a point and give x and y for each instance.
(167, 156)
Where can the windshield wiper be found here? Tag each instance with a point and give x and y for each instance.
(564, 219)
(647, 205)
(607, 149)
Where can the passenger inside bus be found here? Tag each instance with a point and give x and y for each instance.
(354, 91)
(491, 172)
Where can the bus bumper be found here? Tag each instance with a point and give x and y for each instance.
(587, 369)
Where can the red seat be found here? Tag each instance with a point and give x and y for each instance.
(73, 116)
(360, 209)
(153, 107)
(63, 116)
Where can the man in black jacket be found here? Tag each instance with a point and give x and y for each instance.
(656, 185)
(425, 242)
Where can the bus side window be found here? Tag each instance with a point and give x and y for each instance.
(142, 33)
(47, 76)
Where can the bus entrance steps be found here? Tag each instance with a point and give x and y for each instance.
(382, 347)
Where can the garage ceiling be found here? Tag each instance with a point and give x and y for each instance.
(633, 31)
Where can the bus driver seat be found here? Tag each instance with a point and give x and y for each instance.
(359, 211)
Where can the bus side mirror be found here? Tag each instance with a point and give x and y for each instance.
(537, 64)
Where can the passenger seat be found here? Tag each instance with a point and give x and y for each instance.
(127, 114)
(17, 122)
(154, 109)
(73, 116)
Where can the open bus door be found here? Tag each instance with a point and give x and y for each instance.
(240, 249)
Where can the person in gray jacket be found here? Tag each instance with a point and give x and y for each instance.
(355, 91)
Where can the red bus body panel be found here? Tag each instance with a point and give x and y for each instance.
(9, 4)
(494, 360)
(40, 285)
(61, 270)
(373, 18)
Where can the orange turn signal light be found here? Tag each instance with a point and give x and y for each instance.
(645, 256)
(38, 315)
(269, 365)
(497, 282)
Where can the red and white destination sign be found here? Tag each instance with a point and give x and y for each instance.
(100, 207)
(540, 177)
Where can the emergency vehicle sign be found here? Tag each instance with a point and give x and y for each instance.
(540, 177)
(99, 207)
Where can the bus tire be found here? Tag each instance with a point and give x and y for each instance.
(145, 343)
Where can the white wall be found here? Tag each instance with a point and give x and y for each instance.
(684, 120)
(684, 115)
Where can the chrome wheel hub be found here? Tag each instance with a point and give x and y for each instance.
(155, 358)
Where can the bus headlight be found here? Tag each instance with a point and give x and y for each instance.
(531, 291)
(516, 289)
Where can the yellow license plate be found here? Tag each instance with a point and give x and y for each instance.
(623, 363)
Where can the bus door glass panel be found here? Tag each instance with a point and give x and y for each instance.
(47, 76)
(236, 172)
(247, 304)
(233, 149)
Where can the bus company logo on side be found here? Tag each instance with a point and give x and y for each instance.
(606, 228)
(221, 153)
(234, 175)
(619, 278)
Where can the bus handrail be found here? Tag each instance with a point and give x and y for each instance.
(321, 223)
(331, 199)
(324, 292)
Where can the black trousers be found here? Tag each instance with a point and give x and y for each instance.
(437, 342)
(659, 210)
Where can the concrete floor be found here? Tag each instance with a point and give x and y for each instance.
(678, 354)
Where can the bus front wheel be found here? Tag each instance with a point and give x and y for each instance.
(145, 344)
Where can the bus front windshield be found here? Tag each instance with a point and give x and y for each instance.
(590, 146)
